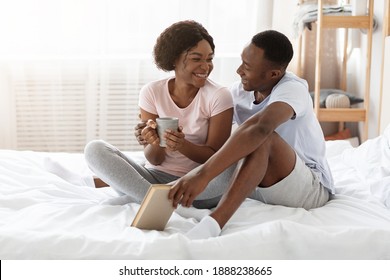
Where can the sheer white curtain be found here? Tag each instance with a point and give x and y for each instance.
(71, 70)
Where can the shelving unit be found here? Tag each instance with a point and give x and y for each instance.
(343, 21)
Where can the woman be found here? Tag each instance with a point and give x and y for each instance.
(204, 109)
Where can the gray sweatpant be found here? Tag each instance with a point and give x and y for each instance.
(132, 179)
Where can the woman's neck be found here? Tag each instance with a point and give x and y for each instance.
(182, 94)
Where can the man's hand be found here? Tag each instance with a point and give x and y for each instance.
(187, 188)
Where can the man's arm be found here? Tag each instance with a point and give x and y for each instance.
(246, 139)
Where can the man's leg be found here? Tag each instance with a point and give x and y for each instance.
(270, 163)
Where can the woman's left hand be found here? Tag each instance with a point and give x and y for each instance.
(174, 139)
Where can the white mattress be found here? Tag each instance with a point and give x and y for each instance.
(44, 217)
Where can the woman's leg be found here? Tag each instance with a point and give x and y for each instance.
(119, 171)
(210, 197)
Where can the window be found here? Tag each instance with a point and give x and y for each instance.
(71, 70)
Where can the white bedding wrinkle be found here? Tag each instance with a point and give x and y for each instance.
(43, 216)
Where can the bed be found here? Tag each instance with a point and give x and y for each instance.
(43, 216)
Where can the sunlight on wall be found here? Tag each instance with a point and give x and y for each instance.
(71, 70)
(119, 27)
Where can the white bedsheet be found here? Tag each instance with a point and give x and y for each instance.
(44, 217)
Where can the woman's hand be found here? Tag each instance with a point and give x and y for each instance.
(137, 133)
(174, 139)
(149, 133)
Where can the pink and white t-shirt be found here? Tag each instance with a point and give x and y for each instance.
(210, 100)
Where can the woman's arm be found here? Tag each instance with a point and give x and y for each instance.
(219, 130)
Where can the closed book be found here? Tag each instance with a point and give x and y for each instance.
(155, 209)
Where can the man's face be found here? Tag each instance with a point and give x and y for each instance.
(255, 70)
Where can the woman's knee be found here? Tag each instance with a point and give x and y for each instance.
(94, 149)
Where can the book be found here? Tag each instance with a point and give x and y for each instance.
(155, 209)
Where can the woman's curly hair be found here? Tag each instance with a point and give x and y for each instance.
(176, 39)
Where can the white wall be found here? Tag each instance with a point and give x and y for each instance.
(376, 67)
(357, 72)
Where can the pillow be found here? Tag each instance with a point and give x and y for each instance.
(324, 93)
(337, 100)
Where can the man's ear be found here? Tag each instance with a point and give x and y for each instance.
(275, 74)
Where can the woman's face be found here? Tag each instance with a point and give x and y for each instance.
(195, 65)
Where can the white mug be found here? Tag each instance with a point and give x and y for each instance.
(164, 124)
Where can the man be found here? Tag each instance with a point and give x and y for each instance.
(279, 145)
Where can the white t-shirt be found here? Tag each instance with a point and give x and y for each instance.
(210, 100)
(303, 132)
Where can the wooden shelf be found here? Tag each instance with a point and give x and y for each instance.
(342, 20)
(341, 115)
(335, 21)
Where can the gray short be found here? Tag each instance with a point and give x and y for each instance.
(301, 188)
